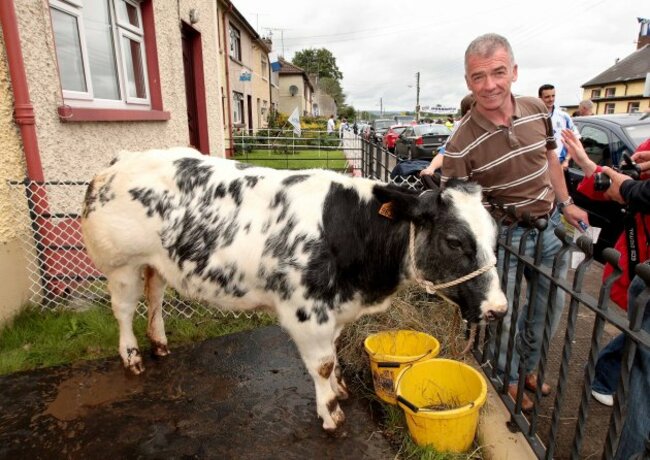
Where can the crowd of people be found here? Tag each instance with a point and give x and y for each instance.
(515, 147)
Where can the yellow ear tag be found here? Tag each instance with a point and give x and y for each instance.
(386, 210)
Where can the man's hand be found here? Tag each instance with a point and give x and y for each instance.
(428, 171)
(642, 159)
(614, 190)
(573, 214)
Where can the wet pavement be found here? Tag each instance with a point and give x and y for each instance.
(241, 396)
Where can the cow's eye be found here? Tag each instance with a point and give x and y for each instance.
(453, 243)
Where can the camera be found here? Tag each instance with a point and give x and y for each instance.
(628, 167)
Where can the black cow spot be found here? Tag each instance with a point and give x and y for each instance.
(159, 203)
(280, 200)
(191, 173)
(247, 228)
(235, 191)
(251, 181)
(294, 179)
(321, 313)
(302, 315)
(242, 166)
(89, 199)
(224, 278)
(220, 191)
(277, 282)
(113, 161)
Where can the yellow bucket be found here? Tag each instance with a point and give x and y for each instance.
(441, 399)
(391, 351)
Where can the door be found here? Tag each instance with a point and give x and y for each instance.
(249, 100)
(197, 120)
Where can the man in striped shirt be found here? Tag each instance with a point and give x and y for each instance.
(506, 144)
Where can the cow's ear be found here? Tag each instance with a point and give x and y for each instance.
(398, 203)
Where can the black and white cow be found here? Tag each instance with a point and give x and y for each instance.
(311, 246)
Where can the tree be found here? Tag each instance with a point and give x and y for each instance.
(320, 62)
(347, 111)
(333, 88)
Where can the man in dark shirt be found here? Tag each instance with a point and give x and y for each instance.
(635, 193)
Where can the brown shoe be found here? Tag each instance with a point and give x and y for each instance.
(531, 384)
(526, 403)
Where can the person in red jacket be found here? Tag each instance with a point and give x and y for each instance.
(609, 361)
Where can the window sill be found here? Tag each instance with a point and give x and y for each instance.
(76, 114)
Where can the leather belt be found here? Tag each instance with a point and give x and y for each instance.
(508, 220)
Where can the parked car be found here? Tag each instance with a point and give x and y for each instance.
(421, 141)
(391, 136)
(378, 128)
(605, 139)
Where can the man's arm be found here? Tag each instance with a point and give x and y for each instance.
(572, 213)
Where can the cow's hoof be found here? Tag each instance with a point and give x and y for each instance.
(339, 432)
(133, 361)
(136, 368)
(159, 349)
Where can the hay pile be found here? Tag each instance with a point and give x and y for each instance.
(411, 309)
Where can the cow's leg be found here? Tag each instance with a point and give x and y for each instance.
(315, 344)
(154, 289)
(125, 286)
(336, 379)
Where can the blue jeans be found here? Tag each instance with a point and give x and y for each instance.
(608, 366)
(637, 423)
(530, 330)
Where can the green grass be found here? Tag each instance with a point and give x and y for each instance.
(38, 339)
(395, 429)
(299, 159)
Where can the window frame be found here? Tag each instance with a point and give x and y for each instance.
(609, 105)
(595, 93)
(237, 49)
(633, 107)
(79, 110)
(237, 108)
(610, 91)
(74, 10)
(131, 36)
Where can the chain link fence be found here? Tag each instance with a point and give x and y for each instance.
(46, 218)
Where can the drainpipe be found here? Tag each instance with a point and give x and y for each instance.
(23, 109)
(25, 119)
(228, 95)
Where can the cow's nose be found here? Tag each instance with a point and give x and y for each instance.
(496, 314)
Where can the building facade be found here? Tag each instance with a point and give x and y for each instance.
(296, 90)
(625, 86)
(81, 80)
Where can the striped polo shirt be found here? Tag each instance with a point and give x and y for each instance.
(510, 163)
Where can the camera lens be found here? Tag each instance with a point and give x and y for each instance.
(601, 182)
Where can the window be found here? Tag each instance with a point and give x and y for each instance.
(595, 93)
(100, 52)
(237, 108)
(609, 108)
(596, 144)
(235, 43)
(264, 67)
(610, 92)
(632, 107)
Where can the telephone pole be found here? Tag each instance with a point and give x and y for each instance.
(417, 97)
(381, 107)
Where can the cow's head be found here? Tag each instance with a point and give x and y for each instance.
(454, 236)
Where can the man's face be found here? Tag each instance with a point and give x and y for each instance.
(548, 96)
(490, 79)
(585, 111)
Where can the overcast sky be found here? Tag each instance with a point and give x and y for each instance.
(379, 45)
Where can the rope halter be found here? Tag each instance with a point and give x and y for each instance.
(430, 287)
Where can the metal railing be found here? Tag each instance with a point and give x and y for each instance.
(377, 163)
